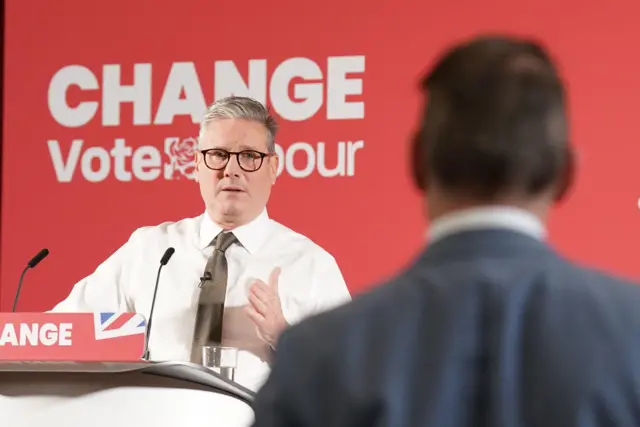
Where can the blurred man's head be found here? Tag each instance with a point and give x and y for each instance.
(236, 164)
(494, 129)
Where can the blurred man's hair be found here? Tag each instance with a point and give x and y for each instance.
(495, 122)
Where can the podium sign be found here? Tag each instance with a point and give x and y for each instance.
(77, 337)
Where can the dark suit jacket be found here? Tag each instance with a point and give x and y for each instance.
(486, 328)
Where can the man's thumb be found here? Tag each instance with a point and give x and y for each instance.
(274, 276)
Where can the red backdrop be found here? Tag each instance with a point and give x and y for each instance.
(336, 72)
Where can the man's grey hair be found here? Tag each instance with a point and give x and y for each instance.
(240, 107)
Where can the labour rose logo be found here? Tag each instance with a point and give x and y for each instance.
(181, 154)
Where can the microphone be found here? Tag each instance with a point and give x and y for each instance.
(32, 263)
(163, 261)
(205, 278)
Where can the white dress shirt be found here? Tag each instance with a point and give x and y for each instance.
(310, 282)
(488, 217)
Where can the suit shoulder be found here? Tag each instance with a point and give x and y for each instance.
(606, 287)
(576, 291)
(598, 277)
(361, 316)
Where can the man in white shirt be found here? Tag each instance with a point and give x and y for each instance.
(276, 277)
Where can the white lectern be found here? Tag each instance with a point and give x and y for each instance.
(119, 394)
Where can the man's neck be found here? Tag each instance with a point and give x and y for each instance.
(231, 222)
(438, 207)
(228, 223)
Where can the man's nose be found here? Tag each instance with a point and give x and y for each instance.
(232, 168)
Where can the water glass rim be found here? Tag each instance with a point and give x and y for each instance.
(221, 347)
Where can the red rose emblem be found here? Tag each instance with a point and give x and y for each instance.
(182, 153)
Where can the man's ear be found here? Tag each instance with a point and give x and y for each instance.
(418, 162)
(567, 177)
(197, 159)
(274, 162)
(432, 117)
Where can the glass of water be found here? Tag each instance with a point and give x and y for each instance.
(220, 359)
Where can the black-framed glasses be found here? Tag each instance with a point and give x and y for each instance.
(249, 160)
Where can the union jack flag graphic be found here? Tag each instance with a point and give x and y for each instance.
(114, 325)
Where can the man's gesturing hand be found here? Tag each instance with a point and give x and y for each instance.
(265, 310)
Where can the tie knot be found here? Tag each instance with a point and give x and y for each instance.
(224, 240)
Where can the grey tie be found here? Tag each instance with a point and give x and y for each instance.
(208, 327)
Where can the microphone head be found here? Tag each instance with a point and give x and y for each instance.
(167, 256)
(39, 257)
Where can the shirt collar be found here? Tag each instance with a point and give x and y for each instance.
(251, 235)
(501, 217)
